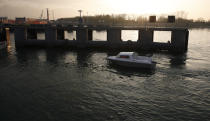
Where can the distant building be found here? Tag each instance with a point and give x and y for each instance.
(11, 21)
(3, 20)
(20, 20)
(36, 21)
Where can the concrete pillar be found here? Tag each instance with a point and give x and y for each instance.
(20, 36)
(60, 34)
(179, 40)
(146, 39)
(50, 36)
(114, 35)
(90, 34)
(32, 34)
(82, 35)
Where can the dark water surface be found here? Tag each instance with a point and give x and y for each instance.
(65, 85)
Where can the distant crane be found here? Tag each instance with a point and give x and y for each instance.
(48, 18)
(41, 15)
(53, 15)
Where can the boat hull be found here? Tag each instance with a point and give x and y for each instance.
(133, 64)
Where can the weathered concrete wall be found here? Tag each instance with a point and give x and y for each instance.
(179, 41)
(82, 34)
(20, 36)
(54, 36)
(146, 39)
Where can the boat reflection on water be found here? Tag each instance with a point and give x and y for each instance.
(126, 71)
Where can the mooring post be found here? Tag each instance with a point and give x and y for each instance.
(179, 41)
(146, 39)
(50, 36)
(20, 36)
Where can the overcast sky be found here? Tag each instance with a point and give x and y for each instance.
(68, 8)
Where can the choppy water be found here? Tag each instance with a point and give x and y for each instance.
(65, 85)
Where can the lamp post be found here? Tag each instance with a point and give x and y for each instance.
(80, 19)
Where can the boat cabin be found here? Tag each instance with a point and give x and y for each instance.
(133, 56)
(127, 55)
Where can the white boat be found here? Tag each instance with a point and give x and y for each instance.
(131, 59)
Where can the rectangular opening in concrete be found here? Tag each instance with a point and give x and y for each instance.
(40, 35)
(162, 36)
(70, 35)
(129, 35)
(32, 34)
(99, 35)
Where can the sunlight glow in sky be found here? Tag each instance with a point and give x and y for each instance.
(68, 8)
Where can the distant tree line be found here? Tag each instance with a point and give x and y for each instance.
(125, 19)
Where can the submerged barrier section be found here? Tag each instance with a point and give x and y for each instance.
(55, 36)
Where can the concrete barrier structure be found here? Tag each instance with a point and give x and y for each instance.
(54, 36)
